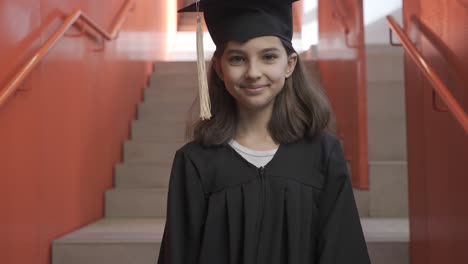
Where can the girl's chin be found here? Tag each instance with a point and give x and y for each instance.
(255, 105)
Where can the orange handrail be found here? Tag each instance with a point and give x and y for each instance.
(10, 88)
(430, 74)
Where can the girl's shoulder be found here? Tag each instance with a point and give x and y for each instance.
(328, 141)
(199, 153)
(196, 148)
(323, 142)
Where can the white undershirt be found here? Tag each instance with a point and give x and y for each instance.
(259, 158)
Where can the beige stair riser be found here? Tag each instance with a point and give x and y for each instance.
(112, 253)
(166, 107)
(136, 203)
(384, 63)
(149, 152)
(362, 202)
(389, 252)
(380, 253)
(164, 117)
(162, 132)
(142, 176)
(388, 189)
(386, 99)
(174, 81)
(387, 139)
(154, 96)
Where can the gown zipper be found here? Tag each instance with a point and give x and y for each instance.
(262, 206)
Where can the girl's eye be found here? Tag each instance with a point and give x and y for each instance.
(236, 60)
(270, 57)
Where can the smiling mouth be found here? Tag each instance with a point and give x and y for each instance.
(254, 87)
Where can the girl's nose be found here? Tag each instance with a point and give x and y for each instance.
(253, 71)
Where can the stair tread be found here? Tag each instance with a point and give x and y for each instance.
(118, 230)
(150, 230)
(386, 229)
(146, 190)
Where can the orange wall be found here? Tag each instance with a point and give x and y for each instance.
(60, 138)
(437, 144)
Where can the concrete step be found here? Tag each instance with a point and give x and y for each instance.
(362, 198)
(137, 241)
(175, 67)
(166, 112)
(386, 99)
(388, 189)
(170, 96)
(386, 121)
(150, 152)
(142, 176)
(175, 80)
(388, 192)
(136, 203)
(387, 139)
(163, 131)
(111, 240)
(387, 240)
(384, 63)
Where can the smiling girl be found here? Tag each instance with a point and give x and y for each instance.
(263, 180)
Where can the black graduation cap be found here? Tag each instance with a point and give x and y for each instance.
(241, 20)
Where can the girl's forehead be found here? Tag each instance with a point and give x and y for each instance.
(257, 44)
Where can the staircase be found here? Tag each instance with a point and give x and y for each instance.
(385, 204)
(135, 209)
(387, 132)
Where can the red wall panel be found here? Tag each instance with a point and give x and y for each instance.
(62, 135)
(437, 145)
(341, 59)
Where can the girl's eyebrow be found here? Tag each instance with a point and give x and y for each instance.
(230, 51)
(270, 50)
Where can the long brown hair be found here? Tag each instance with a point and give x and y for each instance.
(300, 110)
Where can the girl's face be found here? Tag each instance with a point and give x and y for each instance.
(254, 72)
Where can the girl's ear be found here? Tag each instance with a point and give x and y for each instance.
(217, 68)
(292, 61)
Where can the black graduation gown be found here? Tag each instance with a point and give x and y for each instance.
(298, 209)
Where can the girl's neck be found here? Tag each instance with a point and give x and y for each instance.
(252, 129)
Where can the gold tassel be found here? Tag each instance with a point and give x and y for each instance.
(205, 104)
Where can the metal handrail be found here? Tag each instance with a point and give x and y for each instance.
(10, 88)
(430, 74)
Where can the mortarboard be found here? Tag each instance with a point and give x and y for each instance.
(238, 20)
(241, 20)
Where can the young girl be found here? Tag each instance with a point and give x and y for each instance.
(262, 182)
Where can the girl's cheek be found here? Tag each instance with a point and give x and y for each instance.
(234, 75)
(277, 74)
